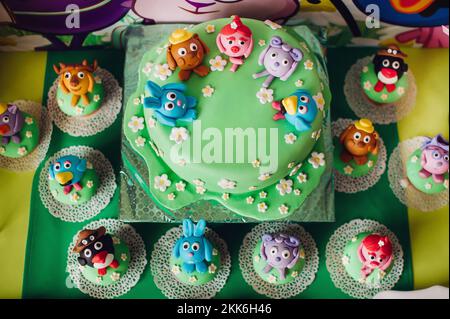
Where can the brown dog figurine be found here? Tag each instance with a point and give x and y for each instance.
(186, 50)
(359, 139)
(77, 79)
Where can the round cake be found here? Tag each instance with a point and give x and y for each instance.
(103, 257)
(228, 110)
(19, 132)
(194, 261)
(427, 167)
(80, 91)
(368, 258)
(278, 258)
(385, 79)
(72, 180)
(356, 150)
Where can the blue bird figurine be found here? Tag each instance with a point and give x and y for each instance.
(68, 172)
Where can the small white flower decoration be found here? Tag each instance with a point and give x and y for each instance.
(2, 150)
(414, 159)
(136, 124)
(284, 187)
(290, 138)
(302, 178)
(265, 95)
(309, 65)
(370, 164)
(299, 83)
(75, 197)
(218, 63)
(140, 141)
(147, 69)
(162, 71)
(29, 134)
(210, 28)
(256, 163)
(305, 46)
(297, 192)
(176, 269)
(256, 258)
(249, 200)
(272, 279)
(291, 165)
(179, 134)
(294, 274)
(116, 240)
(198, 182)
(428, 186)
(208, 91)
(22, 151)
(272, 25)
(162, 182)
(96, 98)
(215, 252)
(79, 110)
(252, 188)
(354, 239)
(180, 186)
(60, 102)
(262, 43)
(283, 209)
(90, 184)
(262, 207)
(367, 86)
(384, 96)
(29, 120)
(348, 170)
(212, 269)
(446, 183)
(137, 101)
(192, 279)
(262, 194)
(171, 196)
(225, 196)
(264, 177)
(345, 260)
(200, 190)
(320, 100)
(316, 134)
(400, 90)
(115, 276)
(404, 183)
(151, 122)
(365, 69)
(89, 165)
(123, 256)
(295, 169)
(99, 279)
(226, 184)
(380, 243)
(317, 159)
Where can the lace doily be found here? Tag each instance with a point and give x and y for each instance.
(335, 251)
(400, 184)
(301, 282)
(364, 108)
(351, 185)
(137, 264)
(32, 160)
(93, 123)
(167, 282)
(79, 213)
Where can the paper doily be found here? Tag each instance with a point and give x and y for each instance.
(364, 108)
(32, 160)
(400, 184)
(301, 282)
(335, 250)
(167, 282)
(136, 266)
(351, 185)
(93, 123)
(79, 213)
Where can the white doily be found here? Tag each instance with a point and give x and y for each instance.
(400, 184)
(32, 160)
(84, 211)
(335, 250)
(167, 282)
(93, 123)
(136, 266)
(365, 108)
(351, 185)
(301, 282)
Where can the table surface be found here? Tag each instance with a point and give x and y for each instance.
(428, 231)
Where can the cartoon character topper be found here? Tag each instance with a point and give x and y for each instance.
(299, 109)
(68, 172)
(170, 103)
(374, 252)
(359, 140)
(194, 249)
(96, 249)
(389, 66)
(11, 123)
(434, 159)
(280, 251)
(279, 59)
(236, 41)
(186, 50)
(77, 79)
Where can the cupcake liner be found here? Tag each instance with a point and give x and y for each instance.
(304, 278)
(31, 161)
(84, 211)
(377, 113)
(96, 122)
(136, 265)
(335, 250)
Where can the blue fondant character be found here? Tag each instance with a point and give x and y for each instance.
(170, 103)
(299, 109)
(194, 249)
(68, 172)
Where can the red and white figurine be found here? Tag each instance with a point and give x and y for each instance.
(374, 252)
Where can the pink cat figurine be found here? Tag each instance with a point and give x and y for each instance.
(434, 159)
(375, 252)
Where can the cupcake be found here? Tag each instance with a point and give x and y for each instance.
(72, 180)
(19, 132)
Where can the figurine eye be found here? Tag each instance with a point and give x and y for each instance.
(386, 63)
(80, 75)
(193, 47)
(286, 254)
(241, 42)
(195, 246)
(91, 238)
(436, 155)
(446, 158)
(98, 245)
(394, 52)
(84, 242)
(380, 260)
(303, 109)
(67, 165)
(182, 51)
(169, 106)
(230, 42)
(396, 65)
(186, 246)
(57, 167)
(87, 253)
(372, 257)
(5, 119)
(366, 139)
(67, 75)
(285, 62)
(304, 99)
(357, 136)
(273, 251)
(273, 55)
(171, 96)
(389, 50)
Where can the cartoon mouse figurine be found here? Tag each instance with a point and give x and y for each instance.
(389, 66)
(374, 252)
(11, 123)
(434, 159)
(359, 139)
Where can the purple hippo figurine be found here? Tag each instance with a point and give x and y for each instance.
(280, 61)
(11, 123)
(434, 159)
(280, 251)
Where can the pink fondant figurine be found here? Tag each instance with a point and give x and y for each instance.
(236, 41)
(434, 159)
(374, 252)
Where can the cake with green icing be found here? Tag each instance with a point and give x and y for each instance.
(215, 126)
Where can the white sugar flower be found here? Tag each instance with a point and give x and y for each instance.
(367, 86)
(29, 120)
(208, 91)
(60, 102)
(79, 110)
(29, 134)
(2, 150)
(198, 182)
(123, 256)
(348, 170)
(317, 159)
(171, 196)
(262, 43)
(98, 79)
(345, 260)
(309, 65)
(200, 190)
(90, 184)
(294, 274)
(140, 141)
(272, 279)
(400, 90)
(370, 164)
(249, 200)
(147, 69)
(116, 240)
(252, 188)
(212, 269)
(302, 178)
(210, 28)
(414, 159)
(176, 269)
(272, 25)
(136, 101)
(225, 196)
(295, 169)
(192, 279)
(283, 209)
(264, 177)
(320, 101)
(136, 124)
(262, 207)
(99, 279)
(446, 183)
(115, 276)
(226, 184)
(291, 165)
(290, 138)
(256, 258)
(179, 134)
(404, 183)
(218, 63)
(89, 165)
(162, 71)
(256, 163)
(75, 197)
(299, 83)
(180, 186)
(284, 187)
(265, 95)
(162, 182)
(365, 69)
(428, 186)
(297, 192)
(262, 194)
(215, 252)
(96, 98)
(151, 122)
(316, 134)
(384, 97)
(22, 151)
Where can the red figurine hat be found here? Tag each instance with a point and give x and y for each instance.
(236, 26)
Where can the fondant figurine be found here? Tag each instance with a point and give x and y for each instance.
(279, 59)
(299, 109)
(68, 172)
(193, 247)
(374, 252)
(389, 65)
(186, 50)
(280, 251)
(434, 159)
(359, 139)
(11, 123)
(170, 103)
(236, 41)
(77, 79)
(96, 249)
